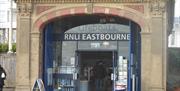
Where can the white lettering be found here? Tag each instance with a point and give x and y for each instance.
(83, 36)
(118, 37)
(97, 36)
(66, 36)
(94, 36)
(107, 36)
(102, 37)
(88, 37)
(123, 36)
(71, 36)
(128, 36)
(113, 37)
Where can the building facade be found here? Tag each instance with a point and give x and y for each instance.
(7, 20)
(60, 42)
(174, 37)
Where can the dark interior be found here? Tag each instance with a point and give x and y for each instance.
(87, 60)
(91, 57)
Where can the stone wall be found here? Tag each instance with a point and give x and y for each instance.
(8, 62)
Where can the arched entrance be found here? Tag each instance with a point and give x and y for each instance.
(75, 43)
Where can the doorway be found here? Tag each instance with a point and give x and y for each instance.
(62, 60)
(95, 70)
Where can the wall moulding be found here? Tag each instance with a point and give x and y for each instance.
(24, 9)
(157, 7)
(81, 1)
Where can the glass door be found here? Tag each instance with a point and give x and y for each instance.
(65, 74)
(121, 71)
(96, 70)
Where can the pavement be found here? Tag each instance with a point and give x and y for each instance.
(8, 89)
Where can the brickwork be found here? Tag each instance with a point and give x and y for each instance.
(96, 10)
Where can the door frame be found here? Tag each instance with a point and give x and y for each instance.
(114, 60)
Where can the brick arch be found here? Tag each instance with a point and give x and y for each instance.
(46, 18)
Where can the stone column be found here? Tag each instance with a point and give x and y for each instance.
(145, 60)
(35, 62)
(158, 60)
(23, 48)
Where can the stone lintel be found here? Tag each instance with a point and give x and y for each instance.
(83, 1)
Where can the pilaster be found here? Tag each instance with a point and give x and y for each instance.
(35, 57)
(157, 76)
(23, 47)
(145, 60)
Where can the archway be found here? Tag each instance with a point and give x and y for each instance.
(50, 16)
(125, 18)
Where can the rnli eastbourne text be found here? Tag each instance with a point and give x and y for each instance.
(96, 36)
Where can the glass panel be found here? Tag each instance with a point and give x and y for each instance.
(64, 65)
(123, 48)
(122, 66)
(57, 48)
(68, 53)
